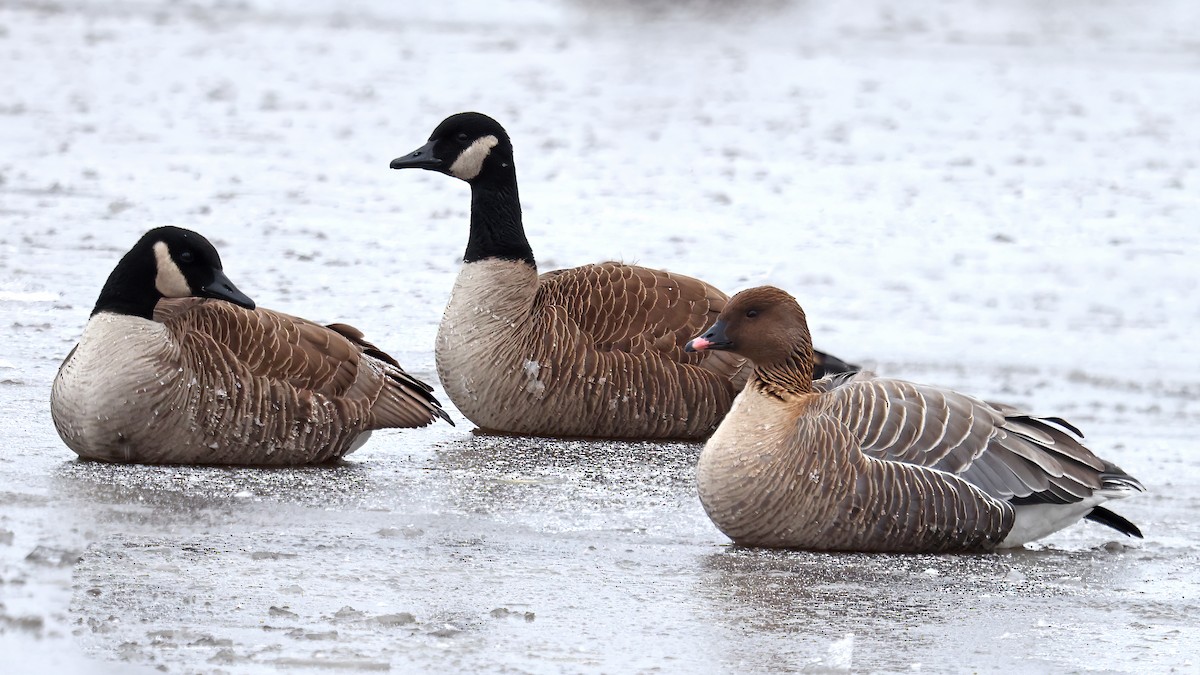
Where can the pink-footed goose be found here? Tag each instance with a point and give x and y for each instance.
(592, 351)
(162, 375)
(862, 463)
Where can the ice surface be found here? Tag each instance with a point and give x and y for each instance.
(1001, 197)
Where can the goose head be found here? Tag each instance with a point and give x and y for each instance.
(764, 324)
(469, 146)
(167, 262)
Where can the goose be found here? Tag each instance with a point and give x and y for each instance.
(591, 351)
(177, 366)
(856, 462)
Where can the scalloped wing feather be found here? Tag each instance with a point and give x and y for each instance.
(637, 310)
(1006, 453)
(333, 362)
(271, 344)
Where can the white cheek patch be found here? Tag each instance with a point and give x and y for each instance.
(470, 161)
(169, 281)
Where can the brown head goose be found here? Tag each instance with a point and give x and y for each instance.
(216, 381)
(591, 351)
(862, 463)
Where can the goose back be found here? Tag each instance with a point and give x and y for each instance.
(1003, 451)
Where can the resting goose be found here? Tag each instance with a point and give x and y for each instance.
(195, 381)
(862, 463)
(592, 351)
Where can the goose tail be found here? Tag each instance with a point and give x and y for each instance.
(1116, 521)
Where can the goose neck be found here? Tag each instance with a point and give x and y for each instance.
(128, 291)
(496, 227)
(786, 378)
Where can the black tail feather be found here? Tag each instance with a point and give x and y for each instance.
(1065, 424)
(1103, 516)
(827, 364)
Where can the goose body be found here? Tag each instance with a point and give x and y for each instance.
(186, 380)
(862, 463)
(592, 351)
(517, 354)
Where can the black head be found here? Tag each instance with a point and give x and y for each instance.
(470, 146)
(167, 262)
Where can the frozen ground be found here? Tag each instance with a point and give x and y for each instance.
(996, 196)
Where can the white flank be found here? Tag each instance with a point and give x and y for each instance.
(1034, 521)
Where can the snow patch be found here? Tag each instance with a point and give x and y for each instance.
(533, 385)
(28, 296)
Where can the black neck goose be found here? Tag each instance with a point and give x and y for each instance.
(592, 351)
(860, 463)
(162, 375)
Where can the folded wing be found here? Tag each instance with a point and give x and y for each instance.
(332, 361)
(639, 310)
(1008, 454)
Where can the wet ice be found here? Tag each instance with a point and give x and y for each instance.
(997, 198)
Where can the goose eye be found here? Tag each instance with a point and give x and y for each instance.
(750, 314)
(463, 137)
(186, 257)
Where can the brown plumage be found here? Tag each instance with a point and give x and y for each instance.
(540, 355)
(861, 463)
(208, 382)
(589, 351)
(309, 360)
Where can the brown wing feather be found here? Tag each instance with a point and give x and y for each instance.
(331, 361)
(272, 344)
(639, 310)
(1006, 453)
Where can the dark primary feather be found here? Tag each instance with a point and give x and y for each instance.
(825, 365)
(1117, 522)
